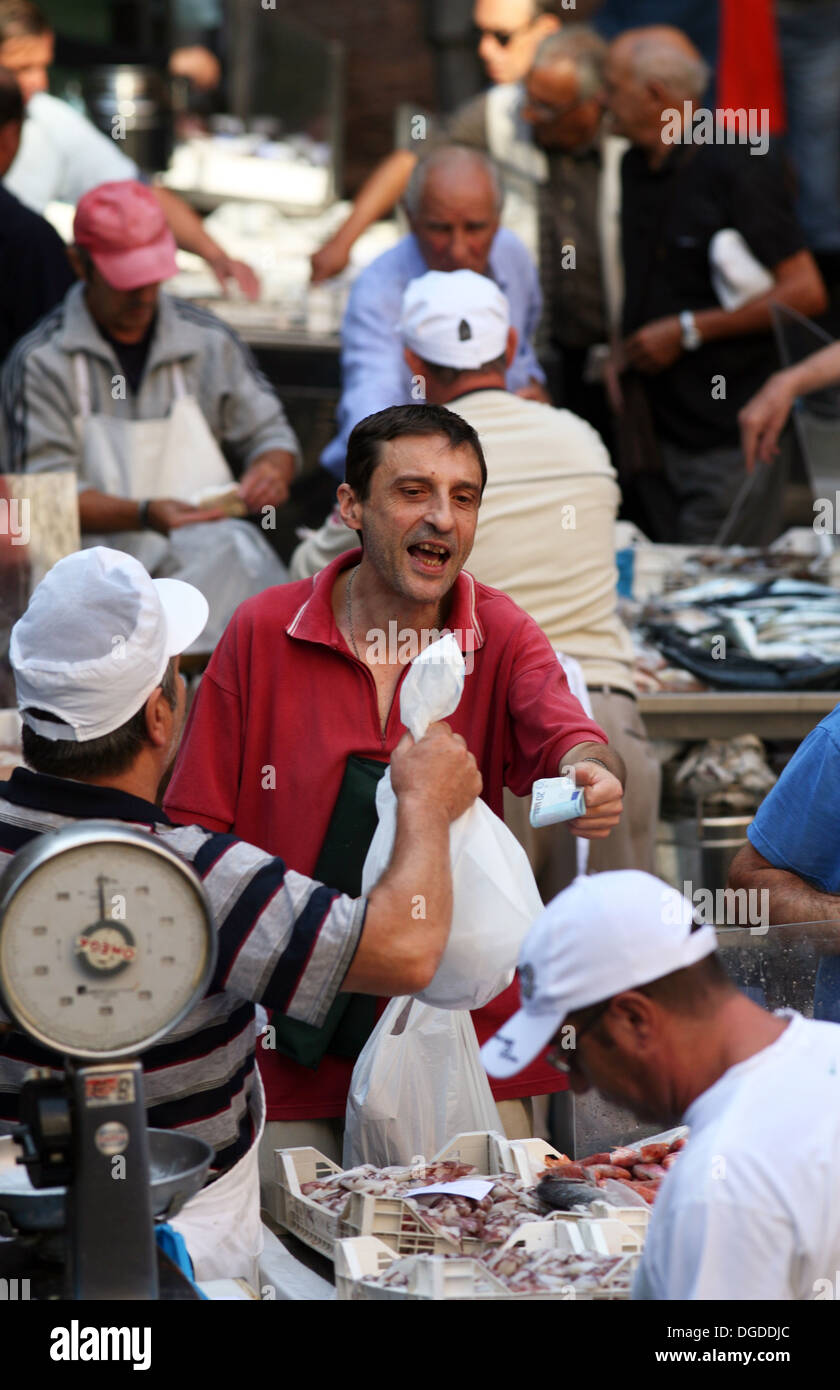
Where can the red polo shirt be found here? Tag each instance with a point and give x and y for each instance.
(282, 704)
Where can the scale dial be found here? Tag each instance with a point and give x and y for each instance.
(106, 940)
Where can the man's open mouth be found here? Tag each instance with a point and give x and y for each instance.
(431, 556)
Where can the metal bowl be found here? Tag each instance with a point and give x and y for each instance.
(178, 1163)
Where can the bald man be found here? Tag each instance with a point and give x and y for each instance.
(453, 203)
(695, 363)
(510, 32)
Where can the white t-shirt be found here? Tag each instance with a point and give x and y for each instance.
(62, 156)
(752, 1208)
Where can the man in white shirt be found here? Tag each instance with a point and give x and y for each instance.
(616, 973)
(62, 155)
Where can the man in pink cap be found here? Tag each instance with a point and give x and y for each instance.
(157, 406)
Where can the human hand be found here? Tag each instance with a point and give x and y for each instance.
(224, 269)
(266, 483)
(329, 260)
(198, 64)
(604, 797)
(166, 514)
(656, 346)
(764, 417)
(438, 769)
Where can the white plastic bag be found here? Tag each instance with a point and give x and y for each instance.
(418, 1081)
(495, 898)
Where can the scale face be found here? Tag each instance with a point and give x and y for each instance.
(106, 940)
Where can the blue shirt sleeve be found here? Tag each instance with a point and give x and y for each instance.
(797, 827)
(520, 281)
(373, 371)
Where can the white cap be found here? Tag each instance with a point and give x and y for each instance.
(96, 639)
(455, 318)
(600, 936)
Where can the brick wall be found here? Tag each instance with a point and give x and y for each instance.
(387, 61)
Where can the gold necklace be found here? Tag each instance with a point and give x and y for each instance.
(348, 609)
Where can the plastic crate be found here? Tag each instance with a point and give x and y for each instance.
(359, 1262)
(397, 1222)
(490, 1154)
(393, 1220)
(311, 1223)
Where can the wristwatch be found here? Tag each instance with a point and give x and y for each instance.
(692, 338)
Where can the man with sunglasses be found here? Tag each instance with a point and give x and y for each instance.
(509, 33)
(630, 991)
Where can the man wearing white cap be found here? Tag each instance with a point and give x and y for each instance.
(616, 972)
(95, 660)
(545, 536)
(156, 406)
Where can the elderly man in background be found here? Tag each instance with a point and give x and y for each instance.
(543, 128)
(638, 1006)
(453, 203)
(691, 362)
(62, 155)
(552, 134)
(146, 398)
(545, 537)
(509, 33)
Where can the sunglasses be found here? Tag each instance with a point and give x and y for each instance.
(503, 36)
(555, 1057)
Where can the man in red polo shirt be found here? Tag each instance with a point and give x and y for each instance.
(298, 713)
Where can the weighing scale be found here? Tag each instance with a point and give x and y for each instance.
(106, 943)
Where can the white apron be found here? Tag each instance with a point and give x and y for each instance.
(229, 560)
(221, 1224)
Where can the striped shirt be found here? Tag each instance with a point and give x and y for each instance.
(284, 941)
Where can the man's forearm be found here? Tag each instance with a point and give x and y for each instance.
(101, 513)
(816, 372)
(283, 458)
(790, 898)
(799, 285)
(599, 752)
(186, 226)
(410, 910)
(378, 195)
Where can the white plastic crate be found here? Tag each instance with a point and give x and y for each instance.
(359, 1262)
(399, 1224)
(311, 1223)
(490, 1154)
(392, 1219)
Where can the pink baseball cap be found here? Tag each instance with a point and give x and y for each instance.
(123, 228)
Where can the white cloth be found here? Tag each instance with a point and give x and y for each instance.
(62, 156)
(229, 561)
(750, 1210)
(221, 1224)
